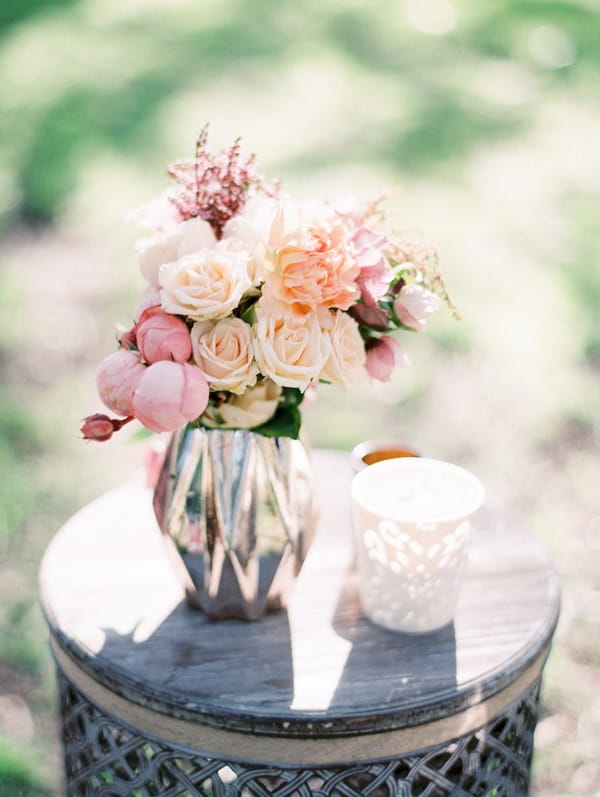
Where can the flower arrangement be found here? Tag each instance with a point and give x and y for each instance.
(252, 298)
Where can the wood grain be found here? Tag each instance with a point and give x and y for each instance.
(320, 669)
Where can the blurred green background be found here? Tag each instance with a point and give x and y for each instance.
(488, 117)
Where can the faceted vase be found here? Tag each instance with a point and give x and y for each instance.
(238, 515)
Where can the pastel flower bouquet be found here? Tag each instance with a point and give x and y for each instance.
(253, 297)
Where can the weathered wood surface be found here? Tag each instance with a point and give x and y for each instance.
(114, 606)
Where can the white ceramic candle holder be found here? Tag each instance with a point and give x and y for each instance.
(412, 524)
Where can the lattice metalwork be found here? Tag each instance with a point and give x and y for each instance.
(104, 756)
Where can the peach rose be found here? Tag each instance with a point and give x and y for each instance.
(312, 267)
(290, 350)
(169, 395)
(188, 237)
(345, 366)
(116, 378)
(208, 284)
(224, 351)
(254, 407)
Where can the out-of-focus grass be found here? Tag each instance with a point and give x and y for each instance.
(19, 778)
(484, 113)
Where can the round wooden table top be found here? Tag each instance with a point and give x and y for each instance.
(117, 613)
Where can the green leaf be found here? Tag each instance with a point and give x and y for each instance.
(285, 423)
(291, 397)
(246, 310)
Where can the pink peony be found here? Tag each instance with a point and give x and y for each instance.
(414, 305)
(169, 395)
(162, 336)
(383, 355)
(116, 378)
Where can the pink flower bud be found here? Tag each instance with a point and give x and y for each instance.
(97, 427)
(100, 427)
(164, 337)
(414, 305)
(169, 395)
(383, 355)
(374, 317)
(116, 378)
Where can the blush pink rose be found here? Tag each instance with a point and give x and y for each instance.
(164, 337)
(116, 379)
(414, 305)
(169, 395)
(383, 355)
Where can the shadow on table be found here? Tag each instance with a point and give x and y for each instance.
(250, 665)
(387, 665)
(212, 662)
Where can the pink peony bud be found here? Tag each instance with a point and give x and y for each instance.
(116, 378)
(164, 337)
(383, 355)
(169, 395)
(414, 305)
(100, 427)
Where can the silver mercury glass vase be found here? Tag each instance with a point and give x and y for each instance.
(239, 508)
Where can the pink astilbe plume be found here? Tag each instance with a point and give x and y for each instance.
(214, 187)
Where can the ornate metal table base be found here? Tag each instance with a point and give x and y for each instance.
(105, 756)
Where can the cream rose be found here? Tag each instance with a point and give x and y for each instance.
(249, 230)
(254, 407)
(291, 351)
(208, 284)
(345, 366)
(189, 236)
(224, 351)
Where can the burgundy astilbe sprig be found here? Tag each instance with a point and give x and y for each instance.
(214, 187)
